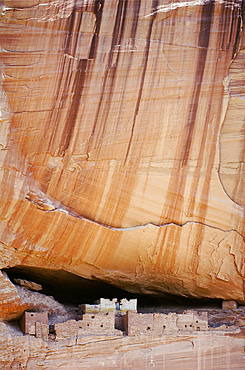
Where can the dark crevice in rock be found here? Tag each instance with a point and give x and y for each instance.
(65, 286)
(69, 288)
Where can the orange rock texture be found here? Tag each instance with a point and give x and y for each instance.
(122, 142)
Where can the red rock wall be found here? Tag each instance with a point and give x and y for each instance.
(115, 140)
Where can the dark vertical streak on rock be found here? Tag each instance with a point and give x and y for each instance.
(238, 32)
(137, 5)
(70, 49)
(146, 56)
(78, 84)
(202, 209)
(231, 34)
(244, 289)
(176, 187)
(225, 32)
(62, 99)
(80, 78)
(74, 106)
(73, 33)
(203, 43)
(117, 35)
(228, 20)
(98, 10)
(228, 27)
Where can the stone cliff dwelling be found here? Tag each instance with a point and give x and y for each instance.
(113, 318)
(35, 323)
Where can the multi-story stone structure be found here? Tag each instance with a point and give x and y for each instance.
(108, 317)
(158, 323)
(101, 306)
(190, 321)
(91, 324)
(107, 305)
(35, 323)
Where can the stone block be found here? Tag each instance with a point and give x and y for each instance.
(41, 330)
(28, 321)
(200, 322)
(127, 305)
(101, 306)
(67, 329)
(164, 323)
(229, 305)
(139, 323)
(121, 322)
(98, 322)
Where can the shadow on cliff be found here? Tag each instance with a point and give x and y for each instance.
(66, 287)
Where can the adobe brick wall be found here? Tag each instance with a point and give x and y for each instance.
(185, 322)
(41, 330)
(127, 305)
(157, 324)
(192, 321)
(28, 320)
(98, 322)
(91, 324)
(67, 329)
(200, 321)
(107, 305)
(121, 322)
(164, 323)
(139, 323)
(101, 306)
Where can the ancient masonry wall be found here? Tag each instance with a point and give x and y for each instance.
(35, 323)
(157, 324)
(91, 324)
(29, 319)
(132, 323)
(106, 305)
(113, 318)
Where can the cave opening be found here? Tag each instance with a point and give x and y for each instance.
(68, 288)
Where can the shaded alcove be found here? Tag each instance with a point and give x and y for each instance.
(69, 288)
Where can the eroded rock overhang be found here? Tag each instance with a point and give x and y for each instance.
(114, 143)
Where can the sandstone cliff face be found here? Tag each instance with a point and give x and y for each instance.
(122, 142)
(216, 350)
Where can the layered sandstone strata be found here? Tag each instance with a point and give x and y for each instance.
(214, 350)
(122, 142)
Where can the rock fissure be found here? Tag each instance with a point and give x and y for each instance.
(49, 207)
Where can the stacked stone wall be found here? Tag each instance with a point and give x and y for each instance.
(139, 323)
(191, 321)
(121, 322)
(91, 324)
(98, 322)
(28, 321)
(164, 323)
(157, 324)
(41, 330)
(107, 305)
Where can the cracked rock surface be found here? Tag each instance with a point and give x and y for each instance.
(122, 143)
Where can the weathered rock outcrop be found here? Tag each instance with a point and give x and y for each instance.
(122, 142)
(215, 350)
(14, 300)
